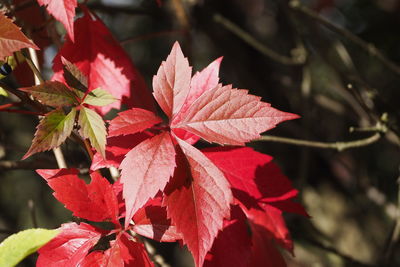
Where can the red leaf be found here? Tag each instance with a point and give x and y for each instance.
(198, 207)
(230, 116)
(11, 38)
(232, 247)
(101, 58)
(172, 83)
(69, 247)
(132, 121)
(63, 11)
(109, 258)
(95, 201)
(254, 178)
(271, 224)
(133, 253)
(122, 253)
(146, 169)
(116, 149)
(151, 221)
(263, 252)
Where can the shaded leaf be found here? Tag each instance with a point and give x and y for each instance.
(93, 128)
(18, 246)
(73, 76)
(254, 178)
(95, 201)
(198, 207)
(146, 169)
(69, 247)
(103, 61)
(230, 116)
(63, 11)
(52, 131)
(264, 252)
(151, 221)
(172, 83)
(11, 38)
(53, 93)
(116, 149)
(271, 224)
(132, 121)
(232, 247)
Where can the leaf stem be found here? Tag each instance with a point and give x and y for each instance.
(368, 47)
(339, 146)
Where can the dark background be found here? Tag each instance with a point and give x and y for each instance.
(333, 82)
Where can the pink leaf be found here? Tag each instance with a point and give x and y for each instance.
(201, 82)
(232, 247)
(132, 121)
(146, 169)
(172, 83)
(95, 201)
(70, 247)
(230, 116)
(151, 221)
(200, 204)
(63, 11)
(101, 58)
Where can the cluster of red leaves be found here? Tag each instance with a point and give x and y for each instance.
(224, 203)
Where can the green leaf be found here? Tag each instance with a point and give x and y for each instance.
(73, 76)
(99, 97)
(3, 92)
(93, 128)
(53, 93)
(18, 246)
(52, 131)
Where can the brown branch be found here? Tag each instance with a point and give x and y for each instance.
(26, 165)
(339, 146)
(266, 51)
(368, 47)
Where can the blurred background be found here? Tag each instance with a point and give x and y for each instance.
(333, 62)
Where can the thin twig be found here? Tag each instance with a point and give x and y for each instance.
(26, 165)
(333, 250)
(368, 47)
(33, 64)
(32, 211)
(299, 59)
(339, 146)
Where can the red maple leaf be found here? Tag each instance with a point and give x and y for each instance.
(98, 201)
(196, 107)
(95, 201)
(69, 247)
(63, 11)
(104, 62)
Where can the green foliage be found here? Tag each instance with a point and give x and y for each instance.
(18, 246)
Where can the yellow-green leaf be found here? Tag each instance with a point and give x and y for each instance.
(93, 128)
(18, 246)
(52, 131)
(99, 97)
